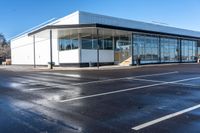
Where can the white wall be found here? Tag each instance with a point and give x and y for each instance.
(91, 56)
(42, 48)
(69, 56)
(70, 19)
(55, 50)
(22, 50)
(106, 55)
(42, 51)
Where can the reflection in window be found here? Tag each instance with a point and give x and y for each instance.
(68, 42)
(91, 42)
(151, 50)
(87, 42)
(199, 52)
(108, 43)
(147, 48)
(189, 49)
(169, 50)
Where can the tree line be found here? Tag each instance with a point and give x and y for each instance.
(5, 51)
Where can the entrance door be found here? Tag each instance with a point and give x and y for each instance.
(123, 52)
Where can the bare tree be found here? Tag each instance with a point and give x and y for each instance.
(5, 51)
(2, 40)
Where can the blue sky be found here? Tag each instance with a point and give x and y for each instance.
(20, 15)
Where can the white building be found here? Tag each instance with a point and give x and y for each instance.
(82, 38)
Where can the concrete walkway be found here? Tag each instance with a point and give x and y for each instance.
(43, 68)
(112, 67)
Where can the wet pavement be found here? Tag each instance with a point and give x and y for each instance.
(150, 99)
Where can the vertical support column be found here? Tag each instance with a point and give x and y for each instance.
(113, 40)
(198, 49)
(34, 60)
(80, 48)
(98, 45)
(180, 50)
(51, 51)
(58, 49)
(159, 49)
(196, 52)
(132, 48)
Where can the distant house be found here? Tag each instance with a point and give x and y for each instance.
(82, 38)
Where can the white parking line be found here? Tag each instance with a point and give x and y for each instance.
(64, 86)
(46, 79)
(125, 90)
(159, 81)
(111, 92)
(153, 122)
(37, 89)
(149, 80)
(158, 74)
(61, 74)
(182, 80)
(42, 83)
(116, 79)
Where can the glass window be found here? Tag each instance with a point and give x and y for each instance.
(108, 43)
(87, 42)
(68, 42)
(91, 41)
(169, 50)
(74, 42)
(147, 48)
(189, 49)
(101, 43)
(198, 52)
(94, 43)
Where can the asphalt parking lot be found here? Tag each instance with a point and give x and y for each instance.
(150, 99)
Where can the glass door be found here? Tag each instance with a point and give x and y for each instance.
(123, 52)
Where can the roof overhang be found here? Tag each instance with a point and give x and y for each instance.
(76, 26)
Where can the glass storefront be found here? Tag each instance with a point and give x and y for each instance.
(198, 49)
(188, 50)
(146, 48)
(169, 50)
(199, 52)
(123, 48)
(154, 49)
